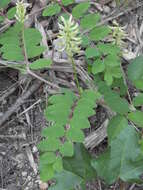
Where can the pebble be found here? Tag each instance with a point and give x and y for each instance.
(34, 149)
(43, 186)
(113, 4)
(24, 174)
(29, 178)
(1, 114)
(106, 9)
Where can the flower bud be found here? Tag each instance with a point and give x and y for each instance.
(69, 35)
(21, 11)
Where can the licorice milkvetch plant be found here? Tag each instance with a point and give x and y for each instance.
(62, 155)
(67, 113)
(69, 36)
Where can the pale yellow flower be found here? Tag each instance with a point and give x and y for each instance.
(118, 34)
(69, 36)
(21, 11)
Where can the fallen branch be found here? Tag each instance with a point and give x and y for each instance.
(96, 137)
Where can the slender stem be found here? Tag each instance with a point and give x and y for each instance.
(24, 49)
(75, 74)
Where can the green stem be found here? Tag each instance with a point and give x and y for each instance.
(75, 74)
(24, 49)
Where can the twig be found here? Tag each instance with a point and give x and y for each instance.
(26, 110)
(20, 136)
(42, 79)
(19, 102)
(31, 159)
(9, 92)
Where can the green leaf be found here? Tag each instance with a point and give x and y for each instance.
(108, 77)
(120, 161)
(67, 149)
(115, 126)
(80, 9)
(91, 52)
(68, 98)
(67, 2)
(53, 131)
(115, 71)
(80, 123)
(119, 83)
(32, 39)
(75, 135)
(117, 104)
(85, 41)
(14, 54)
(11, 13)
(52, 9)
(135, 72)
(138, 100)
(79, 164)
(112, 60)
(108, 48)
(66, 180)
(101, 165)
(136, 117)
(83, 110)
(139, 84)
(127, 160)
(46, 172)
(4, 3)
(49, 145)
(98, 66)
(113, 100)
(58, 165)
(99, 33)
(135, 69)
(40, 64)
(47, 158)
(89, 21)
(12, 45)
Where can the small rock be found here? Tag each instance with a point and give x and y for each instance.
(113, 4)
(24, 174)
(34, 149)
(1, 114)
(29, 178)
(43, 186)
(106, 9)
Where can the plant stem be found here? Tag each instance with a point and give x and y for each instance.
(75, 74)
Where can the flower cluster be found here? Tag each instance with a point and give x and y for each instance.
(118, 34)
(69, 39)
(21, 11)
